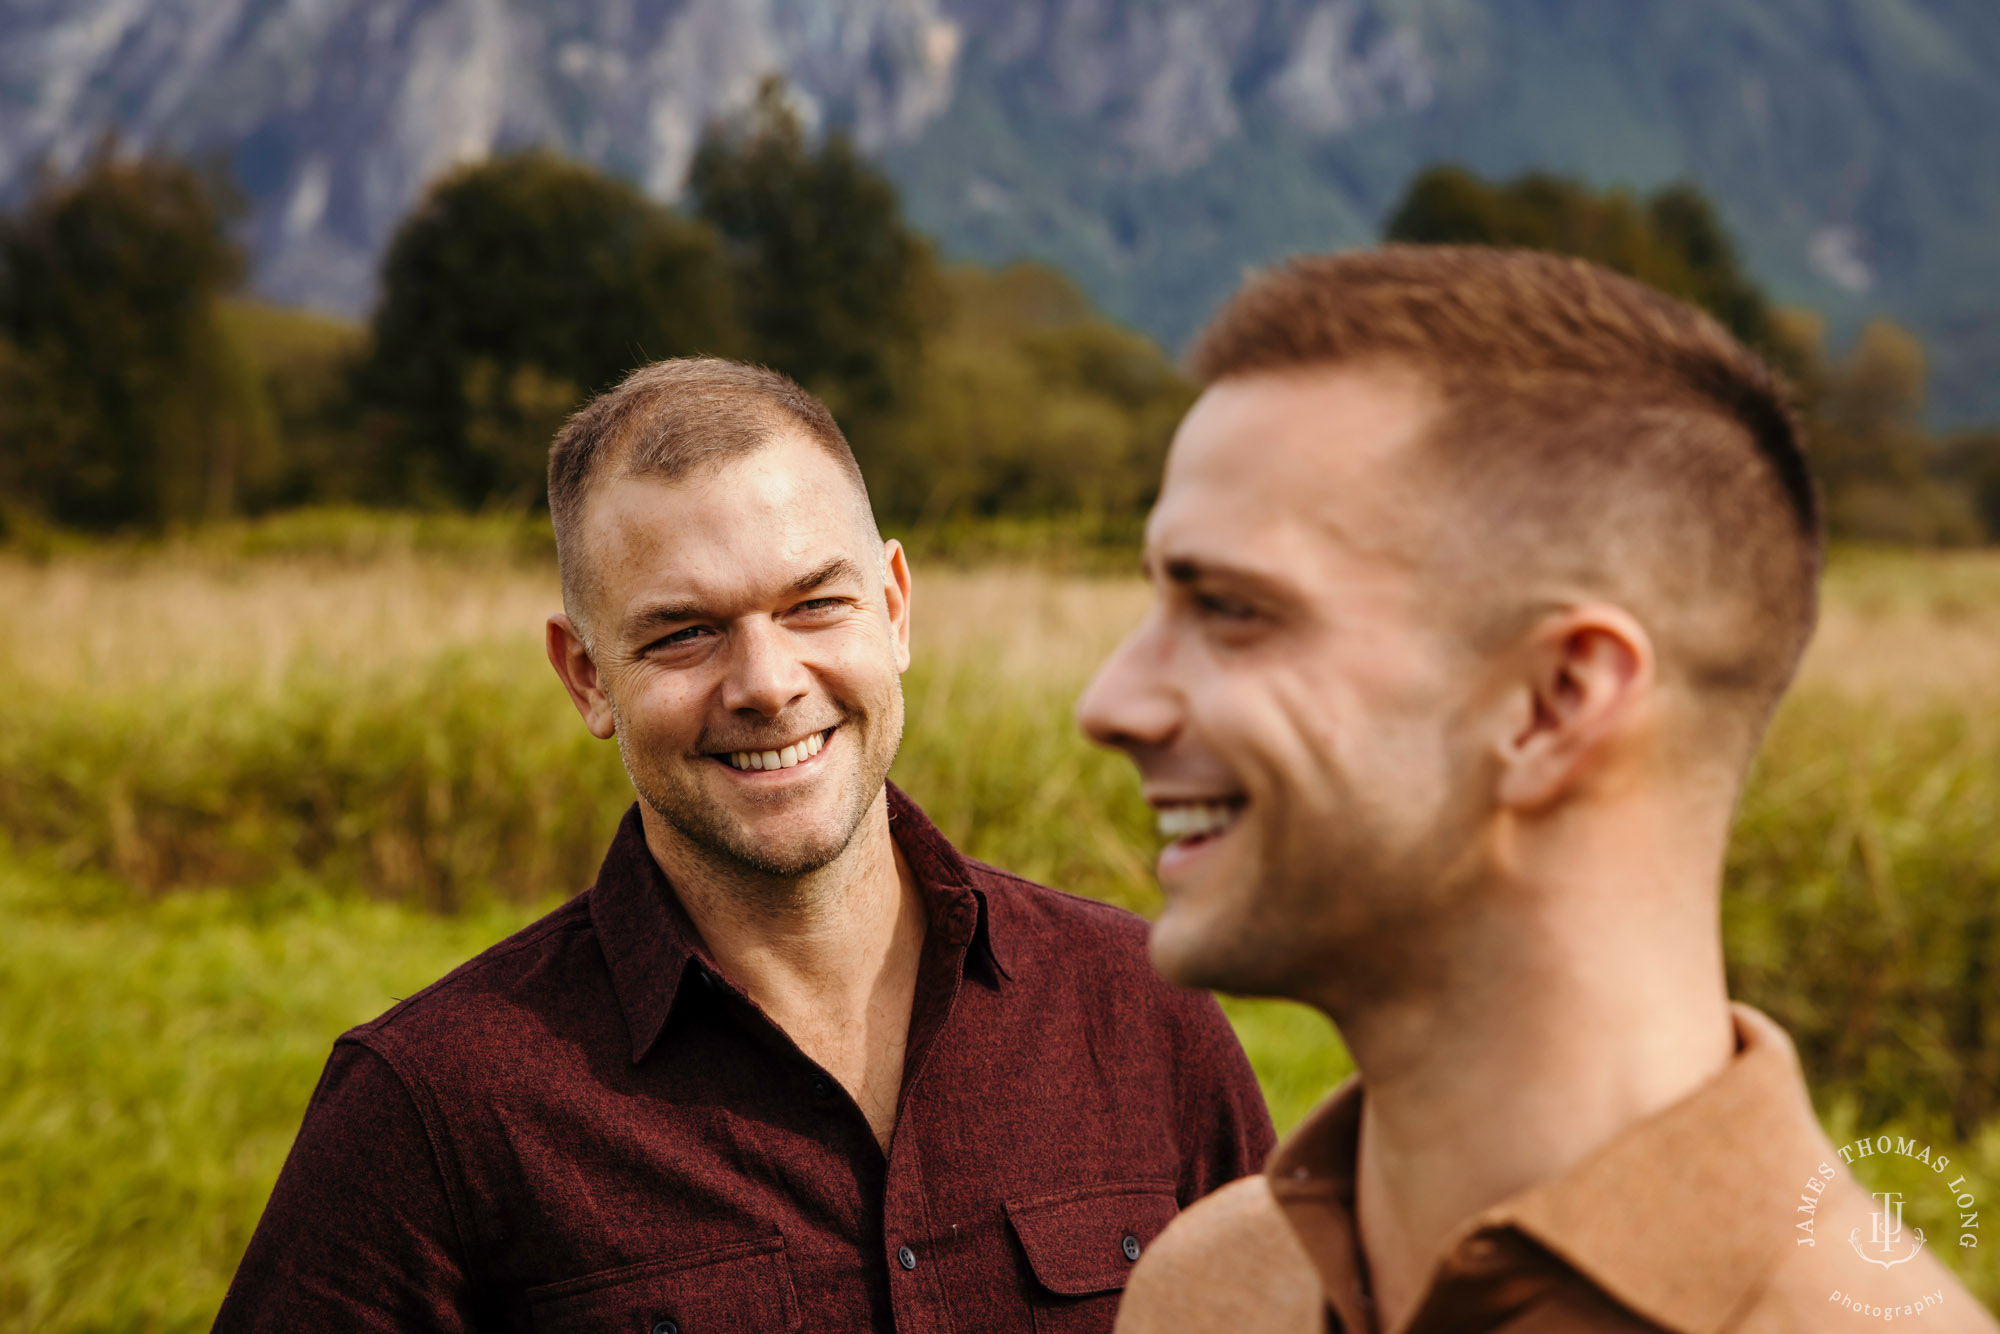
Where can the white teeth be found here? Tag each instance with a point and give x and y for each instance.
(787, 758)
(1197, 818)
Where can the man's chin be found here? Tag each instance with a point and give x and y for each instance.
(1191, 952)
(784, 849)
(792, 836)
(1215, 948)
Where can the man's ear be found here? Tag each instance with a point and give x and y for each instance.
(896, 591)
(570, 656)
(1584, 675)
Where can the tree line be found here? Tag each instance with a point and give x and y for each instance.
(139, 389)
(1884, 475)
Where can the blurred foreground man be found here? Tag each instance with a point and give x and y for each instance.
(1478, 576)
(793, 1062)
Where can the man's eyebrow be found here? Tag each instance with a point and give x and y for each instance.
(1191, 570)
(834, 571)
(666, 613)
(1186, 571)
(675, 613)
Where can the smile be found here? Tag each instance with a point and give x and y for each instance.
(1197, 819)
(787, 757)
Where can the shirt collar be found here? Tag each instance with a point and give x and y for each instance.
(652, 947)
(1680, 1218)
(941, 871)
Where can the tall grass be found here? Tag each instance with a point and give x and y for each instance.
(241, 775)
(392, 728)
(154, 1062)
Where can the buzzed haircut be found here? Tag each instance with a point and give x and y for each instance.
(668, 420)
(1595, 438)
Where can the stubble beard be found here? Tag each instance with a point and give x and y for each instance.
(674, 794)
(1336, 906)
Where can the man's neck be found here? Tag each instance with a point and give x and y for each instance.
(1559, 1020)
(830, 957)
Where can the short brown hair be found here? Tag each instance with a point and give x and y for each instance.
(669, 419)
(1597, 436)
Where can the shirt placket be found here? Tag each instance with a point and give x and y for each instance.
(916, 1281)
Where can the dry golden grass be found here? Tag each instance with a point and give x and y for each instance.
(1910, 629)
(115, 625)
(1895, 628)
(103, 625)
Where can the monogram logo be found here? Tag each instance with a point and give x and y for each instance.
(1886, 1234)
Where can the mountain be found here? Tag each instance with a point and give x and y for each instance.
(1153, 148)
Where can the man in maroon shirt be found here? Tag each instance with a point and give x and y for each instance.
(792, 1061)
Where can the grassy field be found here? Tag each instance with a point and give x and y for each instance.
(254, 787)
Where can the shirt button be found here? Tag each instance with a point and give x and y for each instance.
(906, 1257)
(666, 1327)
(1479, 1252)
(1130, 1246)
(822, 1087)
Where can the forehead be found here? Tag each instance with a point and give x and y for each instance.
(744, 527)
(1283, 464)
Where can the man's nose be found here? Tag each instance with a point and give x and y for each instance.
(765, 673)
(1132, 702)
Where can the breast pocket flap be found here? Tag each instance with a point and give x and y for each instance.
(1084, 1241)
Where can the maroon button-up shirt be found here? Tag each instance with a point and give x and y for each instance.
(588, 1128)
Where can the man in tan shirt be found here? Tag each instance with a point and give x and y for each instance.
(1479, 574)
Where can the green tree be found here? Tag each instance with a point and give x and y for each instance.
(305, 361)
(1877, 462)
(832, 285)
(1672, 240)
(517, 288)
(123, 399)
(1029, 402)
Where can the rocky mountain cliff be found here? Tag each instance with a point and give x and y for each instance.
(1152, 147)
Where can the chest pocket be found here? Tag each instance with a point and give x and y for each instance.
(743, 1288)
(1081, 1245)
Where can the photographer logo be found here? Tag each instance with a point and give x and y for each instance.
(1887, 1239)
(1884, 1165)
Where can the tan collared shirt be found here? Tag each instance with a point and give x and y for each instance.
(1691, 1222)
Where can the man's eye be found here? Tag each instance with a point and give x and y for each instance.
(1219, 607)
(680, 638)
(819, 606)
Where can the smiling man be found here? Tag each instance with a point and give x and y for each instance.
(1478, 576)
(793, 1061)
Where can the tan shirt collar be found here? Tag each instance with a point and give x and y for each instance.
(1680, 1218)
